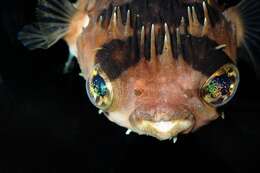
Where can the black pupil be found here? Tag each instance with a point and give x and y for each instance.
(99, 85)
(223, 82)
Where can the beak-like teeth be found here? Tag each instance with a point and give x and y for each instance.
(169, 126)
(163, 126)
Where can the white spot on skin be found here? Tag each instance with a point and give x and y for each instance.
(222, 46)
(174, 140)
(128, 131)
(223, 115)
(85, 21)
(73, 50)
(81, 75)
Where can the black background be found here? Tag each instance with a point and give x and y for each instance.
(47, 123)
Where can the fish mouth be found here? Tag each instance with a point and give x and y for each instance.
(163, 130)
(162, 122)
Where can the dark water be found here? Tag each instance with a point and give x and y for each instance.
(47, 123)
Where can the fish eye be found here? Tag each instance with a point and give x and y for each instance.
(221, 86)
(99, 89)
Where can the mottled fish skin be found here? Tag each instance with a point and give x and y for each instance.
(153, 60)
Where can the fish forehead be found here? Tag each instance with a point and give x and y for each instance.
(149, 12)
(116, 54)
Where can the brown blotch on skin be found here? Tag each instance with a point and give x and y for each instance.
(138, 92)
(117, 56)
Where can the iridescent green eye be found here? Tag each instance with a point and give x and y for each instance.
(221, 86)
(99, 89)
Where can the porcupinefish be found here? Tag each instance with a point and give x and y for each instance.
(156, 67)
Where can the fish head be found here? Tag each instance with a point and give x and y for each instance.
(159, 68)
(157, 79)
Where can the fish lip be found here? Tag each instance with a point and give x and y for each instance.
(174, 131)
(136, 118)
(147, 127)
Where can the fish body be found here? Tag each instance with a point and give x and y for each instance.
(160, 68)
